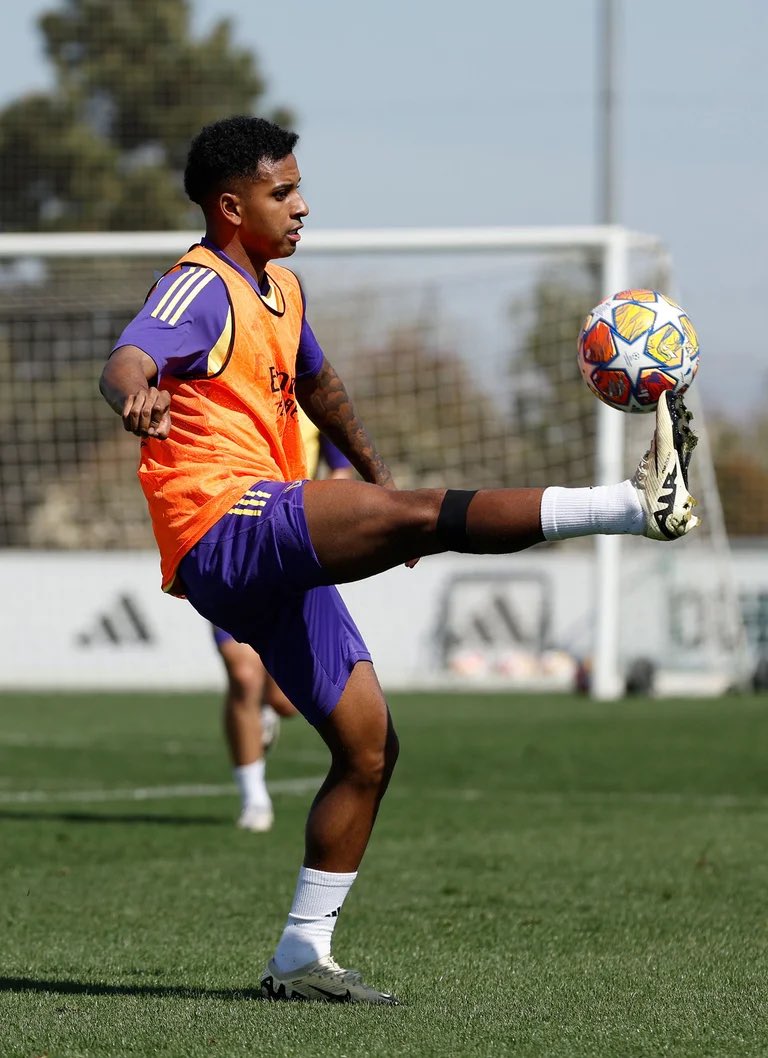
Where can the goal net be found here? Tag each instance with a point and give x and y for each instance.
(458, 348)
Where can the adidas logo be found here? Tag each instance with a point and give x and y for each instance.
(122, 624)
(487, 612)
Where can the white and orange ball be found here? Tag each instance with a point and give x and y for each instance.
(635, 345)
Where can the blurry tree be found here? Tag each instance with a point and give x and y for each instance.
(104, 149)
(741, 468)
(442, 423)
(436, 422)
(554, 412)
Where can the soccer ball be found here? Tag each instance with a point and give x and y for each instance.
(635, 345)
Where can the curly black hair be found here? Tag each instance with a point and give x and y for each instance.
(231, 149)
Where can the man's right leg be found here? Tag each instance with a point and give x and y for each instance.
(358, 530)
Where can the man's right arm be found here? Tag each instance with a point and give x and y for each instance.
(125, 385)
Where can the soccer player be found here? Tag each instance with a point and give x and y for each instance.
(257, 548)
(253, 703)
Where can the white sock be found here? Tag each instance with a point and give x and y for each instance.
(250, 783)
(314, 913)
(608, 509)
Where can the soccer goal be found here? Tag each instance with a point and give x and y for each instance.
(458, 347)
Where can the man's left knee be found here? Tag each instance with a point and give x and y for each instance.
(372, 764)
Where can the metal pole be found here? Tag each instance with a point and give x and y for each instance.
(607, 681)
(606, 139)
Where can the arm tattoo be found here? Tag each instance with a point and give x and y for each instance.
(325, 400)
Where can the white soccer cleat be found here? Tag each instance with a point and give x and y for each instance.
(661, 479)
(270, 727)
(256, 818)
(323, 981)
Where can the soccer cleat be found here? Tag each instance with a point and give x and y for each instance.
(270, 727)
(661, 479)
(256, 818)
(324, 981)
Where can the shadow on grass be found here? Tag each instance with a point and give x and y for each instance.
(89, 988)
(117, 817)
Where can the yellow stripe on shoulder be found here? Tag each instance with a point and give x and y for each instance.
(174, 291)
(201, 284)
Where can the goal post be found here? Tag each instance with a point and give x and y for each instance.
(607, 683)
(458, 345)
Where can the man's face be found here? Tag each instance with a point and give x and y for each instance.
(270, 210)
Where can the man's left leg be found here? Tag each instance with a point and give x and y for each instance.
(363, 746)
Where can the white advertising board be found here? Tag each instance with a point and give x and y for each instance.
(100, 620)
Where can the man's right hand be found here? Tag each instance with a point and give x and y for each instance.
(126, 385)
(147, 413)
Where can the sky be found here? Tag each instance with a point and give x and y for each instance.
(422, 113)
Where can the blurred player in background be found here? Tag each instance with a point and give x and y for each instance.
(253, 703)
(208, 375)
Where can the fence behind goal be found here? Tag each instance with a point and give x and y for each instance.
(458, 348)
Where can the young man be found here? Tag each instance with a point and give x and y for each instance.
(253, 703)
(257, 548)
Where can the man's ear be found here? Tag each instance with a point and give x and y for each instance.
(229, 206)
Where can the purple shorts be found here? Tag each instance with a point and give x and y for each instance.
(256, 576)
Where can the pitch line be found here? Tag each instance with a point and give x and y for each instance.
(572, 799)
(580, 798)
(151, 793)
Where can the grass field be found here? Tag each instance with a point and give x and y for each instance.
(549, 877)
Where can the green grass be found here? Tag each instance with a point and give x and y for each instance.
(548, 877)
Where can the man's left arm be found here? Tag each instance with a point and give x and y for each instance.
(324, 398)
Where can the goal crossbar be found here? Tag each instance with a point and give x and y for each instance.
(334, 241)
